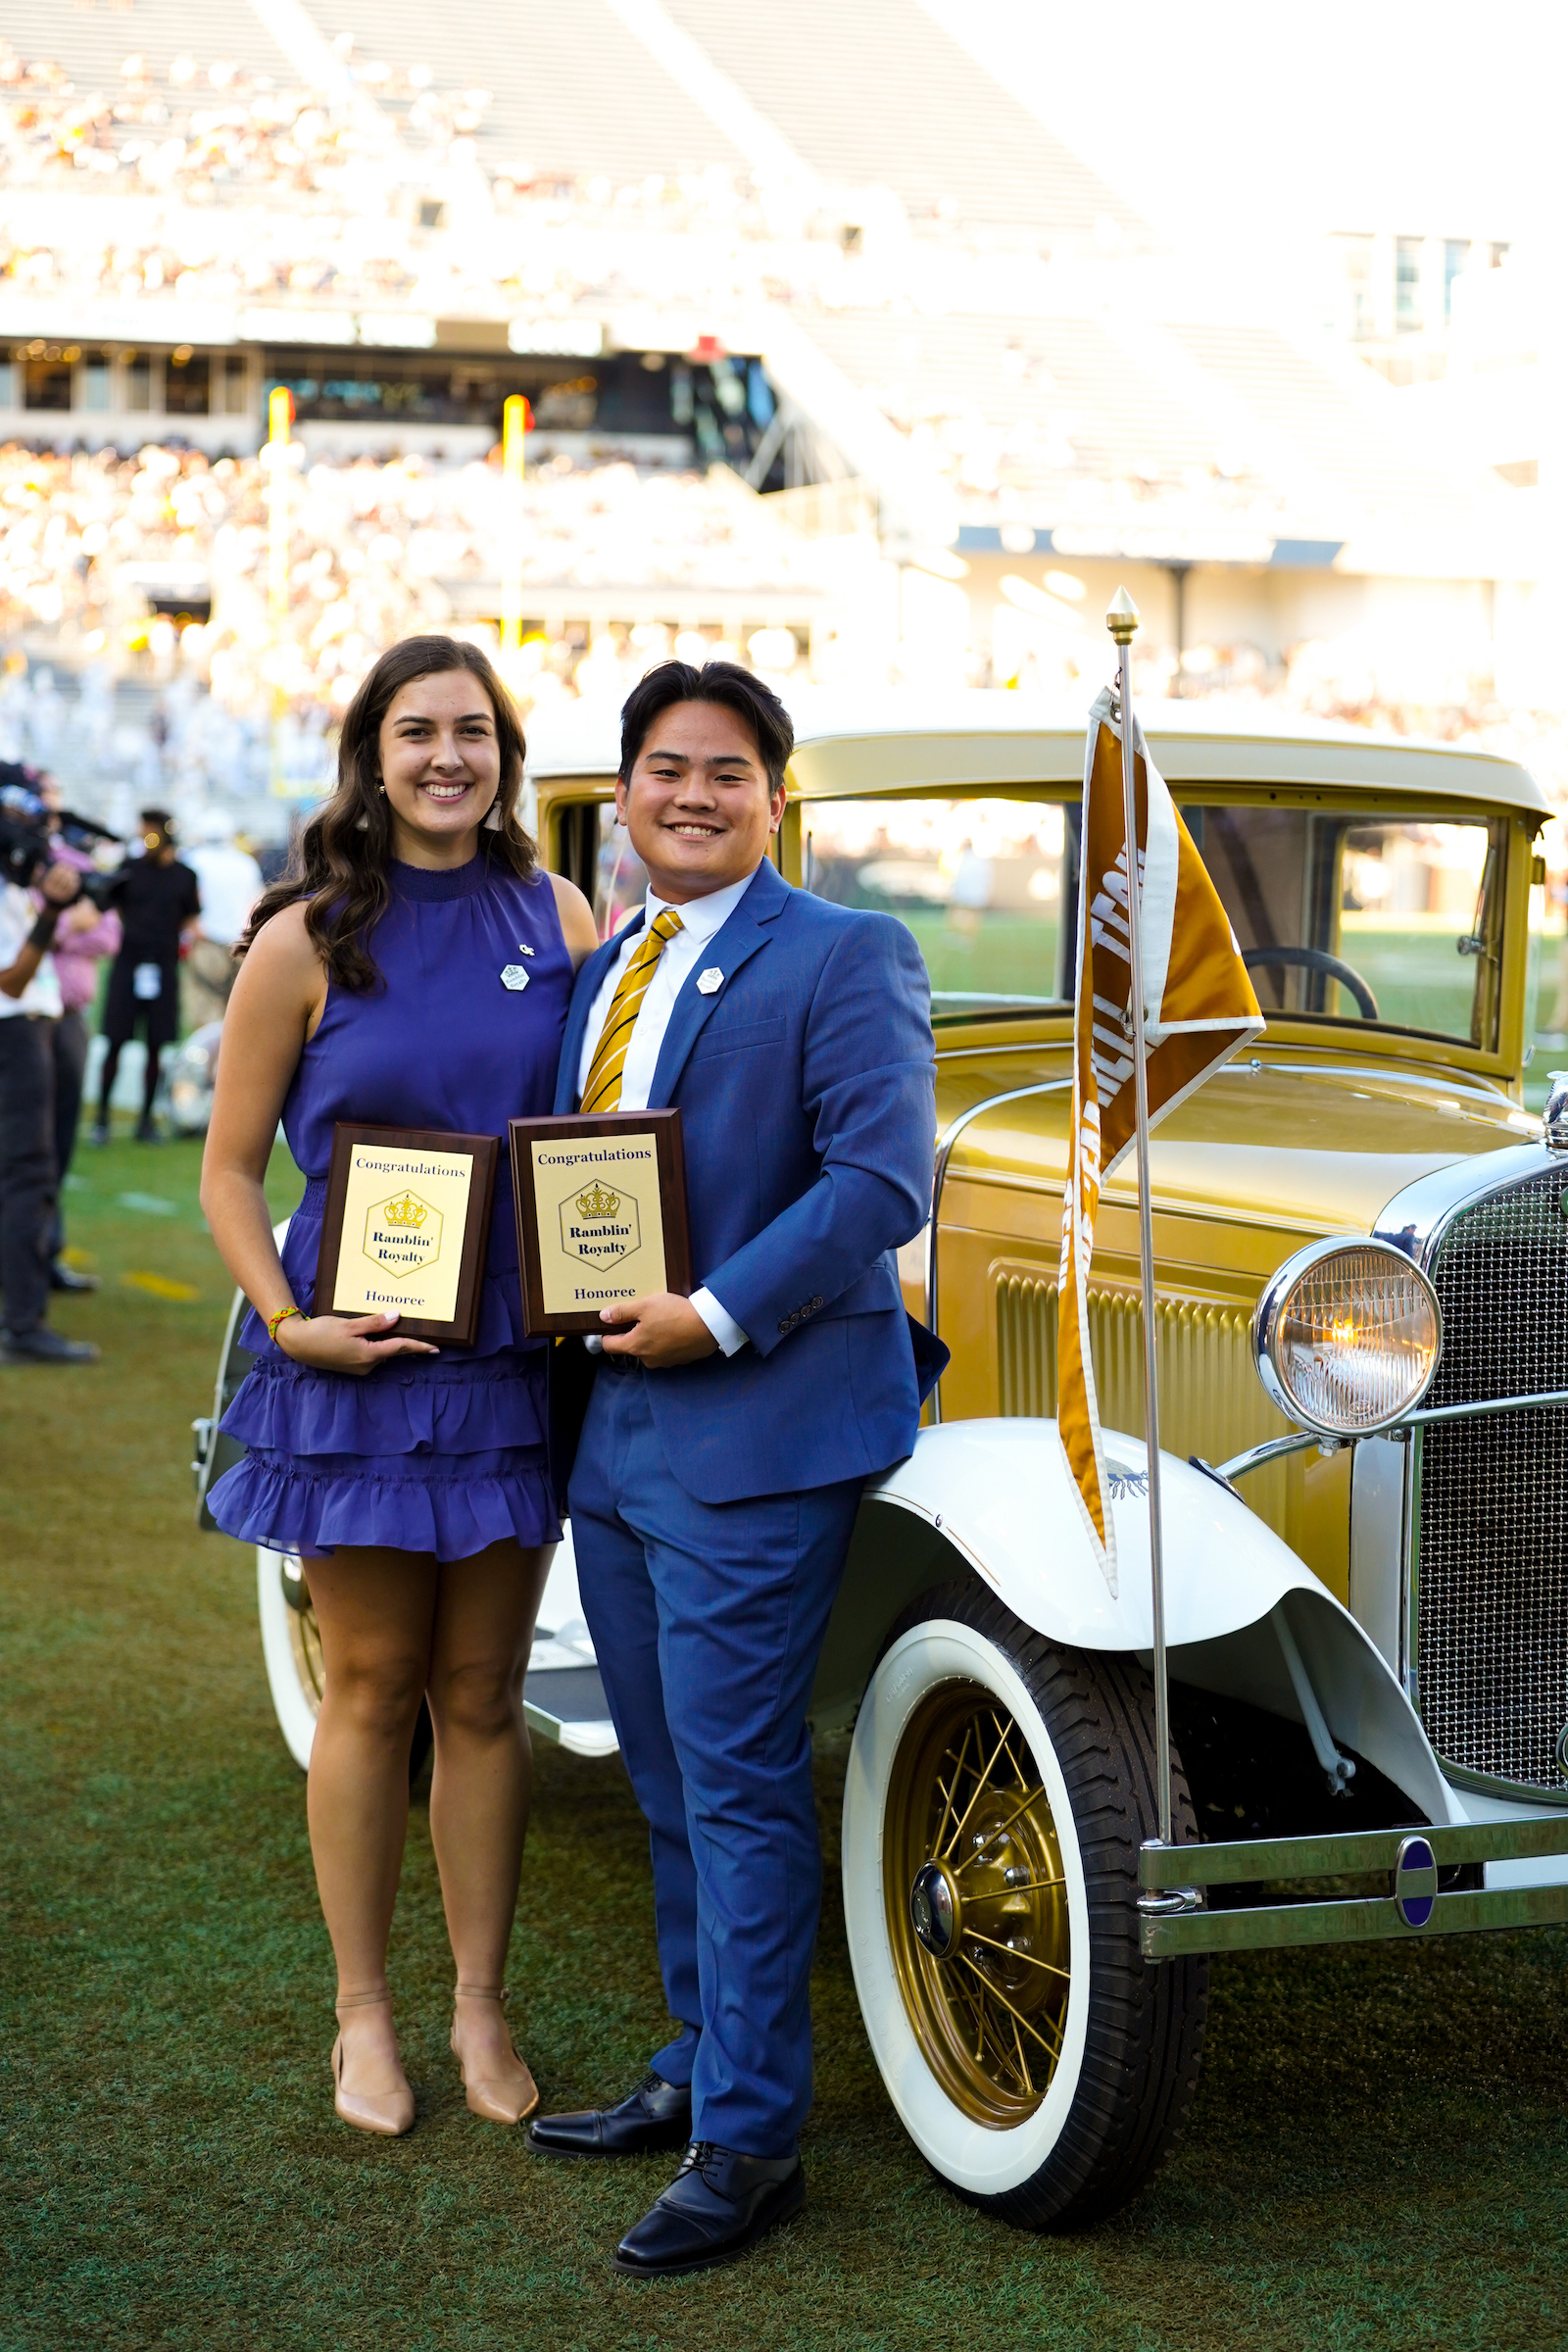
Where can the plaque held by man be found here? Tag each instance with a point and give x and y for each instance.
(600, 1215)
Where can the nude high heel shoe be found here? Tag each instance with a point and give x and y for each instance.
(389, 2112)
(499, 2099)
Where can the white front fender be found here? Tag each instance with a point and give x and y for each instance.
(1003, 1495)
(997, 1496)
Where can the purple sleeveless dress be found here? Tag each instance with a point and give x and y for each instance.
(435, 1453)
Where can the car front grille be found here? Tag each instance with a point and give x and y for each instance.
(1491, 1644)
(1211, 1401)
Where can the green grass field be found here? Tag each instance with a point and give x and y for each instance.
(1004, 954)
(1372, 2161)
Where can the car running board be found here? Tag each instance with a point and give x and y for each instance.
(568, 1705)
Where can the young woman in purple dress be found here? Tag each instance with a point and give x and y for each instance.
(412, 1479)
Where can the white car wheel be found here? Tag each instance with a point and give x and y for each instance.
(998, 1793)
(292, 1647)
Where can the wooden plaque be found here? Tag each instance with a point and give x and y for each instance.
(601, 1213)
(407, 1228)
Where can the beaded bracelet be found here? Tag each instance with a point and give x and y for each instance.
(282, 1315)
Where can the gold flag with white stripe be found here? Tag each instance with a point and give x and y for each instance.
(1199, 1009)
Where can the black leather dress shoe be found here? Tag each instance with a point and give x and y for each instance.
(715, 2210)
(44, 1346)
(656, 2115)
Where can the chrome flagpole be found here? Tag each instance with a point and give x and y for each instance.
(1122, 623)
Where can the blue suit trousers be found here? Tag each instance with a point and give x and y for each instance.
(707, 1619)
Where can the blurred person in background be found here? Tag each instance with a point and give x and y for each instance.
(159, 902)
(29, 1009)
(82, 938)
(230, 883)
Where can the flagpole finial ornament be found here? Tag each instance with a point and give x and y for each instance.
(1121, 617)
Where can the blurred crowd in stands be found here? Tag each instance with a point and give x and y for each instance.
(91, 545)
(221, 132)
(376, 548)
(150, 572)
(381, 200)
(214, 132)
(336, 194)
(381, 548)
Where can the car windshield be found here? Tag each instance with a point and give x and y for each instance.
(1370, 917)
(1363, 918)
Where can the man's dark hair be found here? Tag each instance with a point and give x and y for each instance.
(756, 706)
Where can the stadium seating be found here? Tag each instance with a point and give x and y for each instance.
(1338, 420)
(1034, 405)
(571, 94)
(877, 94)
(91, 44)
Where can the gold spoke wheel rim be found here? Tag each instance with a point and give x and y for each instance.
(976, 1904)
(305, 1640)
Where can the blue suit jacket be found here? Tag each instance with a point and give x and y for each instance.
(805, 1088)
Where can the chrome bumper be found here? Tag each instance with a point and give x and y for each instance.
(1175, 1922)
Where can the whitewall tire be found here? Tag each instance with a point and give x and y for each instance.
(292, 1648)
(998, 1790)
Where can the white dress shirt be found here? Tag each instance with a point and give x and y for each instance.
(701, 921)
(17, 915)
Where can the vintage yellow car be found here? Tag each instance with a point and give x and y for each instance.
(1366, 1597)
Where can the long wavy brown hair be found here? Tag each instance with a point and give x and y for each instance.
(339, 867)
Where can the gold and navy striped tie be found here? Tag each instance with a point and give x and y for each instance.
(603, 1090)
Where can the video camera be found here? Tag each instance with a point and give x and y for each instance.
(28, 829)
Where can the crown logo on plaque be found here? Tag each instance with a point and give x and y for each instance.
(403, 1235)
(597, 1202)
(598, 1225)
(408, 1212)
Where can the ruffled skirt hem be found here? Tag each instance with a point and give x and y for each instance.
(445, 1408)
(292, 1506)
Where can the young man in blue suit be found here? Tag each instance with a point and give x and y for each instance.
(728, 1434)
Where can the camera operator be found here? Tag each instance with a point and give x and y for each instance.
(84, 937)
(29, 1008)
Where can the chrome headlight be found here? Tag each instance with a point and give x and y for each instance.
(1347, 1337)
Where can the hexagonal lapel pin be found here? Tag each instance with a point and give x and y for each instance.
(514, 977)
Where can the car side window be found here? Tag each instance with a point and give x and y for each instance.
(977, 882)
